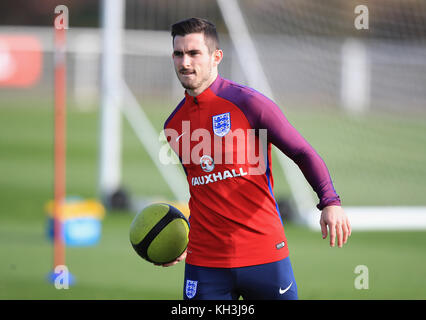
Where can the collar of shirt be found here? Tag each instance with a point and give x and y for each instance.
(207, 94)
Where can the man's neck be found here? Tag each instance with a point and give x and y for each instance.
(203, 87)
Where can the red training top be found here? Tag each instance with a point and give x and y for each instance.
(218, 136)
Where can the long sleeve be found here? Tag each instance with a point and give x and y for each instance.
(265, 114)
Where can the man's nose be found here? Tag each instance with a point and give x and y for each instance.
(186, 61)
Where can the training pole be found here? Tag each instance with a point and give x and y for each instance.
(59, 146)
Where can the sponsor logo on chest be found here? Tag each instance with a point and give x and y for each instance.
(214, 177)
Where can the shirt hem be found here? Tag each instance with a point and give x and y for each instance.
(231, 264)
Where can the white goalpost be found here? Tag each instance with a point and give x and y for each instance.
(246, 51)
(117, 99)
(111, 99)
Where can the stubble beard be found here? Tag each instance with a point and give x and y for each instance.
(191, 85)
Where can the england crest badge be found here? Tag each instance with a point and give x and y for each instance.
(222, 124)
(191, 288)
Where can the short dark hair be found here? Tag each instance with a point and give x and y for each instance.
(197, 25)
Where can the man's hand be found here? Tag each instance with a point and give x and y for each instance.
(178, 259)
(338, 224)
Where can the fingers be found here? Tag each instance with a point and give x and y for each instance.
(340, 232)
(336, 221)
(323, 228)
(349, 226)
(170, 264)
(332, 230)
(178, 259)
(166, 264)
(346, 232)
(347, 229)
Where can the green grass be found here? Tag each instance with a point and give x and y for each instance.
(109, 270)
(112, 270)
(375, 160)
(394, 260)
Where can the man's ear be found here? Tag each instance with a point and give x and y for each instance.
(217, 56)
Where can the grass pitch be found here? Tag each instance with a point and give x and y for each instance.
(374, 161)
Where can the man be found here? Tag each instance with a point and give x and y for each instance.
(237, 246)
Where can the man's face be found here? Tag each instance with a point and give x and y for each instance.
(195, 66)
